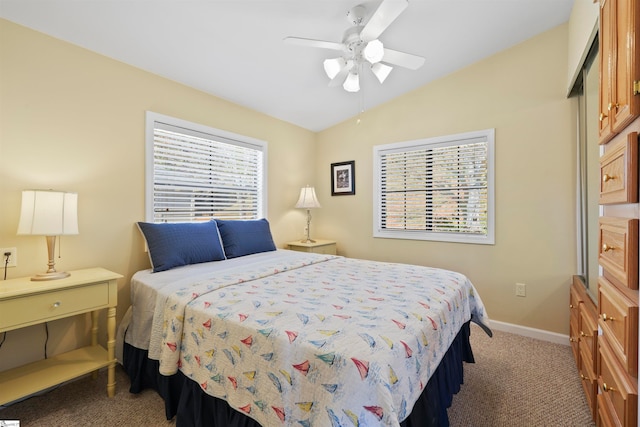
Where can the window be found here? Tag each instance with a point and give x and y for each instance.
(194, 172)
(436, 189)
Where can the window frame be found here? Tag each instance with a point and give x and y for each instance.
(191, 128)
(447, 140)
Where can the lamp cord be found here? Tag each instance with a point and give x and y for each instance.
(46, 328)
(6, 264)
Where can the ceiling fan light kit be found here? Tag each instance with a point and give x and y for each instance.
(381, 71)
(360, 46)
(352, 83)
(373, 51)
(333, 66)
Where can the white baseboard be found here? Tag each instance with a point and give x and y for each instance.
(530, 332)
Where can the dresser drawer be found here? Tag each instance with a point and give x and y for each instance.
(619, 392)
(619, 172)
(574, 339)
(588, 335)
(619, 250)
(589, 382)
(42, 307)
(604, 413)
(574, 305)
(618, 319)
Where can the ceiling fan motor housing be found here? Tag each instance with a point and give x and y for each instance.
(355, 15)
(353, 42)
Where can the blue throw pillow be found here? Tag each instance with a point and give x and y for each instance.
(245, 237)
(174, 244)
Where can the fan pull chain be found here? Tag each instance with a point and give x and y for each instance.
(361, 107)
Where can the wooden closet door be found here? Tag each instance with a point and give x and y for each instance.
(607, 48)
(626, 105)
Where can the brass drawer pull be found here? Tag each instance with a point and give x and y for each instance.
(611, 106)
(607, 388)
(603, 116)
(582, 334)
(606, 177)
(605, 317)
(572, 339)
(607, 248)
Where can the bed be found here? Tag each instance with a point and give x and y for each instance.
(259, 336)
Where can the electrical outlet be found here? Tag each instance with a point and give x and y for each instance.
(521, 290)
(13, 257)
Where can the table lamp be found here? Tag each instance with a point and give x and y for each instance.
(49, 213)
(308, 201)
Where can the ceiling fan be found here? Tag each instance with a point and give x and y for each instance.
(360, 47)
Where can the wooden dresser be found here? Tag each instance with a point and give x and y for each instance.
(614, 345)
(583, 335)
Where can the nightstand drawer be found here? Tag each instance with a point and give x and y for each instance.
(325, 247)
(42, 307)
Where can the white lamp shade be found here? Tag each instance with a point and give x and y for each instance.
(333, 66)
(308, 199)
(48, 213)
(352, 83)
(381, 71)
(373, 51)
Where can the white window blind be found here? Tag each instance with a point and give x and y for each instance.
(436, 189)
(198, 173)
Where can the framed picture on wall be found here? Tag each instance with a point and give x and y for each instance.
(343, 178)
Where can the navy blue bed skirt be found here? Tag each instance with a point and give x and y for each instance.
(192, 407)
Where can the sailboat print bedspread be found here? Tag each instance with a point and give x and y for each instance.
(315, 340)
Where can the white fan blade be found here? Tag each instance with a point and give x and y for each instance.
(314, 43)
(386, 13)
(406, 60)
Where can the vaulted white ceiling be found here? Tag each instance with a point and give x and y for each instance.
(233, 49)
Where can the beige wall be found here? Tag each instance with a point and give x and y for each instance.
(583, 27)
(74, 120)
(521, 93)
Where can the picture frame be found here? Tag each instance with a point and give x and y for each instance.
(343, 178)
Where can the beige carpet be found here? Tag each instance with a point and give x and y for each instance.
(515, 381)
(518, 381)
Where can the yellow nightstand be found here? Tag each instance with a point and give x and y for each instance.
(25, 303)
(319, 247)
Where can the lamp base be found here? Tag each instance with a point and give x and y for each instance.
(308, 239)
(51, 273)
(50, 276)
